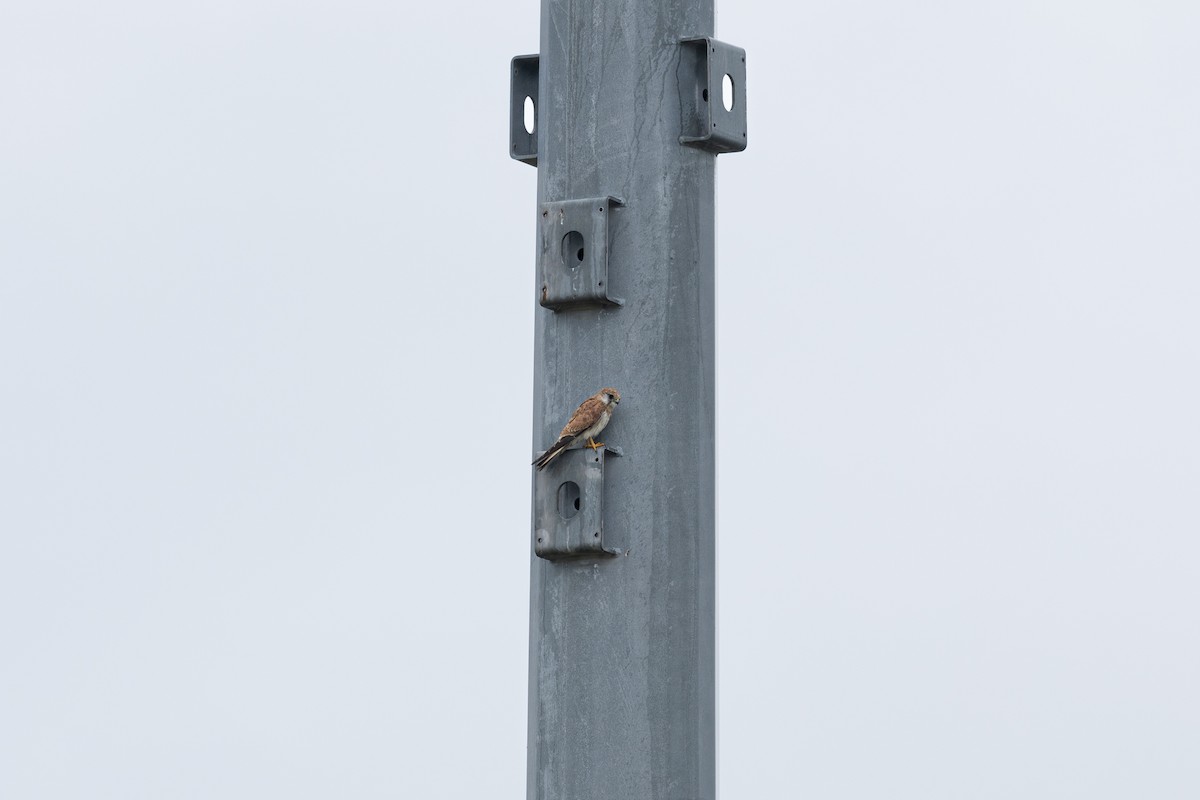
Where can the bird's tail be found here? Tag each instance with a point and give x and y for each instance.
(545, 458)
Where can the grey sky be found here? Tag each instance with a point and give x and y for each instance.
(265, 377)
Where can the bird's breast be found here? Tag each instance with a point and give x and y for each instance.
(605, 416)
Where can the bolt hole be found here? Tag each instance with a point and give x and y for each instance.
(704, 94)
(568, 499)
(572, 249)
(727, 92)
(596, 535)
(530, 115)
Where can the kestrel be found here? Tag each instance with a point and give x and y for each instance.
(587, 421)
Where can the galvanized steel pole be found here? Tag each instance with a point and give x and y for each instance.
(622, 651)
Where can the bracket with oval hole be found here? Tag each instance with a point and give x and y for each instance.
(568, 505)
(573, 254)
(712, 93)
(522, 124)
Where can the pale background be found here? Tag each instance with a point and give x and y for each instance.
(266, 368)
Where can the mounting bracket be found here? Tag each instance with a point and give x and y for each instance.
(522, 142)
(568, 502)
(573, 258)
(715, 117)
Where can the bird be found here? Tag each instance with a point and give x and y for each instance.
(587, 422)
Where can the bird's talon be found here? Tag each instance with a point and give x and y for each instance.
(592, 443)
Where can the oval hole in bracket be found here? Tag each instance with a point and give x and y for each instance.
(530, 115)
(572, 249)
(568, 499)
(726, 92)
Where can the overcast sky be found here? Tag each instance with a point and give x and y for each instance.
(266, 333)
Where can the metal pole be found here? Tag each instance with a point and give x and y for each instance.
(622, 658)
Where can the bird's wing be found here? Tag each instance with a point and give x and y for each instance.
(584, 417)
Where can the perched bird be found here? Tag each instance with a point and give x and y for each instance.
(587, 422)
